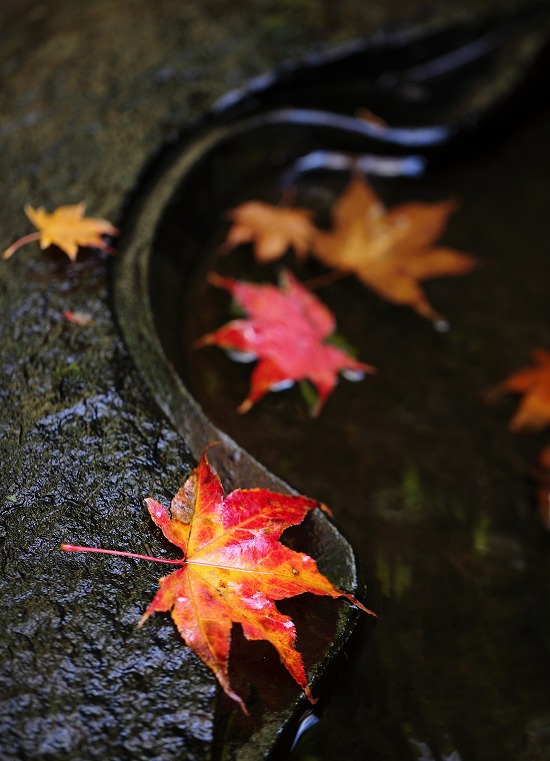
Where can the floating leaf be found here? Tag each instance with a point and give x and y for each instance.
(390, 250)
(272, 230)
(286, 331)
(533, 413)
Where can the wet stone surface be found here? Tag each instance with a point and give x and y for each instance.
(90, 93)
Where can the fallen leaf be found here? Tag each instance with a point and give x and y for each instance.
(390, 250)
(286, 331)
(533, 413)
(67, 228)
(272, 230)
(82, 319)
(232, 570)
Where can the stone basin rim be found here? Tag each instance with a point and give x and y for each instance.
(236, 467)
(134, 315)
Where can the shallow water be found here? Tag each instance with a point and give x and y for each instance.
(422, 475)
(424, 478)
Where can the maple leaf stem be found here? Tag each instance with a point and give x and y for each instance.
(21, 242)
(77, 548)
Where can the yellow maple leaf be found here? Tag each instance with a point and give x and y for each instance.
(390, 250)
(67, 228)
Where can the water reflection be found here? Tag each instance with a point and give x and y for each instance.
(426, 480)
(308, 720)
(428, 483)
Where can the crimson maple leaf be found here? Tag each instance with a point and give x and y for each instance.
(233, 569)
(67, 228)
(286, 331)
(533, 383)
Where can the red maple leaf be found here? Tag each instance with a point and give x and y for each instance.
(232, 570)
(286, 331)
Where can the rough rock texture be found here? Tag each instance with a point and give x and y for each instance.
(91, 90)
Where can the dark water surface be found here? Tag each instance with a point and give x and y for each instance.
(422, 475)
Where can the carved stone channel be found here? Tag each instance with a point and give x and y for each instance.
(92, 421)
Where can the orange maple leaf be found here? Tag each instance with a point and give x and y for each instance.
(272, 230)
(233, 569)
(533, 413)
(67, 228)
(390, 250)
